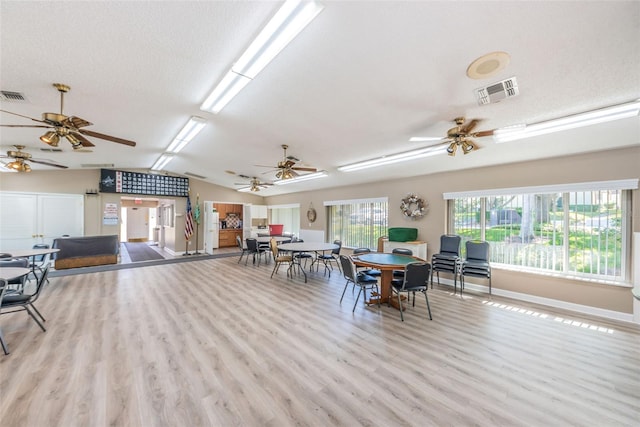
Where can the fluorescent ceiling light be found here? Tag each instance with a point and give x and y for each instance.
(589, 118)
(394, 158)
(162, 162)
(188, 132)
(300, 178)
(287, 23)
(425, 139)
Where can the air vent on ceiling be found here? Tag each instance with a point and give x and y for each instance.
(97, 165)
(195, 175)
(10, 96)
(496, 92)
(51, 150)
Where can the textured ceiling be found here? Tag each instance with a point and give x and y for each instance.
(357, 83)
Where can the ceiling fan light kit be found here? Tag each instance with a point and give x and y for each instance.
(20, 158)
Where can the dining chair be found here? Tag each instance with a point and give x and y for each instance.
(366, 270)
(299, 256)
(364, 281)
(243, 250)
(3, 288)
(18, 301)
(476, 263)
(39, 261)
(279, 258)
(399, 274)
(448, 259)
(416, 279)
(254, 250)
(16, 284)
(332, 257)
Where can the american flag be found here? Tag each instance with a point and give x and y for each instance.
(188, 221)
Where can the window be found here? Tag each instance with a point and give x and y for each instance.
(579, 230)
(358, 223)
(287, 215)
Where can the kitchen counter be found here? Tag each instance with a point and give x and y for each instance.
(228, 237)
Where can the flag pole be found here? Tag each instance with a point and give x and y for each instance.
(196, 218)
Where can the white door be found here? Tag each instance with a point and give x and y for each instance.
(30, 218)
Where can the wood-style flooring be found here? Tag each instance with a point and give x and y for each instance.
(215, 343)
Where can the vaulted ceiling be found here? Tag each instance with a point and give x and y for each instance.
(356, 84)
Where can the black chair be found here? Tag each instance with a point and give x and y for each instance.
(416, 279)
(477, 262)
(399, 274)
(362, 280)
(254, 250)
(447, 259)
(366, 270)
(3, 288)
(39, 261)
(17, 301)
(243, 250)
(16, 284)
(327, 259)
(302, 255)
(279, 258)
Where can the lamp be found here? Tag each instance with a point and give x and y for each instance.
(51, 138)
(394, 158)
(467, 146)
(602, 115)
(188, 132)
(287, 23)
(451, 149)
(19, 165)
(75, 142)
(307, 177)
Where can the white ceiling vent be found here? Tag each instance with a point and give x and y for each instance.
(496, 92)
(10, 96)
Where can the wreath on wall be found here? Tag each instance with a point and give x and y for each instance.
(413, 206)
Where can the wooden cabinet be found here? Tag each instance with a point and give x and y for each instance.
(419, 249)
(228, 237)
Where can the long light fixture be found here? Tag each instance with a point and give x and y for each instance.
(307, 177)
(287, 23)
(589, 118)
(394, 158)
(162, 162)
(188, 132)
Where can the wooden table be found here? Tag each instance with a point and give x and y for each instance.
(299, 247)
(386, 263)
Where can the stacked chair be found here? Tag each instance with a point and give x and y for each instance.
(476, 263)
(447, 259)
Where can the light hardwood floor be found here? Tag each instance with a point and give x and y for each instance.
(214, 343)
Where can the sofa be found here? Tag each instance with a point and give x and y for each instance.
(85, 251)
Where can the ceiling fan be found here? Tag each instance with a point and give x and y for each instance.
(20, 160)
(254, 183)
(460, 136)
(286, 167)
(69, 127)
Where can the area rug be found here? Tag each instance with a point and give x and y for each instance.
(141, 252)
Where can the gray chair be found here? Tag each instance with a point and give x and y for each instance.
(302, 255)
(39, 261)
(16, 284)
(477, 262)
(3, 288)
(362, 280)
(243, 250)
(366, 270)
(447, 259)
(332, 257)
(254, 250)
(416, 279)
(399, 274)
(17, 301)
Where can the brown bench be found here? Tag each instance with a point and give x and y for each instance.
(86, 251)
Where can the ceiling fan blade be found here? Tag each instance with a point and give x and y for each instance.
(76, 122)
(42, 162)
(288, 164)
(304, 169)
(107, 137)
(482, 133)
(84, 141)
(26, 117)
(26, 126)
(469, 126)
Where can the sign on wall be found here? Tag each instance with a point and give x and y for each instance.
(110, 216)
(112, 181)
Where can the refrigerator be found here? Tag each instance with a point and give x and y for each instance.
(211, 224)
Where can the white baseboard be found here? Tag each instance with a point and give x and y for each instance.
(579, 308)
